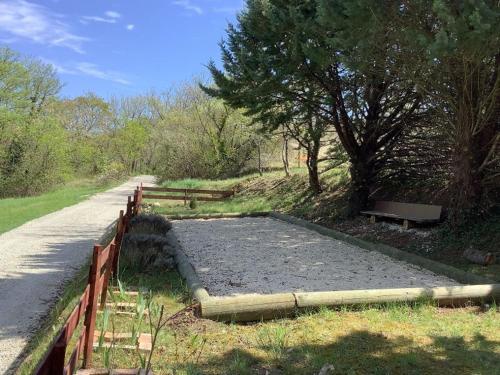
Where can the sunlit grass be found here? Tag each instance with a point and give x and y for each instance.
(402, 338)
(17, 211)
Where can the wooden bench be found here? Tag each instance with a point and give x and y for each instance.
(408, 212)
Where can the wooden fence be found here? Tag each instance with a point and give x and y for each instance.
(205, 195)
(104, 266)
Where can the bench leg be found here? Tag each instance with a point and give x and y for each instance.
(373, 219)
(407, 224)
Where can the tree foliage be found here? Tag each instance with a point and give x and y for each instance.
(405, 86)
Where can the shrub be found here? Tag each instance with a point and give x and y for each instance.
(193, 203)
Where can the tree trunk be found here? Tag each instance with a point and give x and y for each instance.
(312, 167)
(361, 179)
(260, 159)
(474, 134)
(467, 188)
(284, 156)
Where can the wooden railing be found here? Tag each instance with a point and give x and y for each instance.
(104, 266)
(186, 194)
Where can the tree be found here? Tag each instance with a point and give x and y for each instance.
(89, 122)
(32, 145)
(129, 143)
(334, 60)
(459, 46)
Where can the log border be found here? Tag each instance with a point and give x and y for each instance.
(255, 307)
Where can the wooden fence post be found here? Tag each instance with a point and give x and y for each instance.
(139, 201)
(136, 197)
(129, 206)
(90, 317)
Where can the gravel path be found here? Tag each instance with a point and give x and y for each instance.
(37, 257)
(265, 255)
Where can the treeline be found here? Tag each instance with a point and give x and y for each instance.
(46, 140)
(403, 92)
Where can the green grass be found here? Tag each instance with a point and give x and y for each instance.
(255, 193)
(17, 211)
(396, 338)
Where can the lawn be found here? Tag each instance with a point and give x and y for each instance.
(17, 211)
(418, 338)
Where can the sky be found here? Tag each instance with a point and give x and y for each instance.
(118, 47)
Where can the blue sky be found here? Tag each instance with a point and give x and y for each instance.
(118, 47)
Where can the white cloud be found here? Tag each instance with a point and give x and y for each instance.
(59, 68)
(112, 14)
(130, 27)
(88, 69)
(35, 22)
(110, 17)
(97, 19)
(93, 70)
(187, 5)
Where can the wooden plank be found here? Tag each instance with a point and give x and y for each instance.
(105, 255)
(410, 211)
(144, 342)
(123, 313)
(121, 305)
(194, 191)
(109, 336)
(76, 314)
(114, 372)
(181, 198)
(128, 293)
(107, 273)
(92, 309)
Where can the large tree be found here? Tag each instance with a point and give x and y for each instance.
(457, 44)
(335, 59)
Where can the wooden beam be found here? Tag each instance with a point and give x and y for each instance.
(181, 198)
(249, 307)
(194, 191)
(444, 295)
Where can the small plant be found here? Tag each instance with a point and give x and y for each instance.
(108, 350)
(274, 340)
(239, 365)
(193, 203)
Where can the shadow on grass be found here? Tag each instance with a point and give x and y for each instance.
(362, 352)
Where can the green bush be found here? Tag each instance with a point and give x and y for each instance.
(193, 203)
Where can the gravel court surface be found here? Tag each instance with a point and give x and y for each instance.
(266, 255)
(39, 256)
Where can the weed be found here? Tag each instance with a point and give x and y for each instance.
(274, 340)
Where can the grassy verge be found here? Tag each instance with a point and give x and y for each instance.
(417, 338)
(17, 211)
